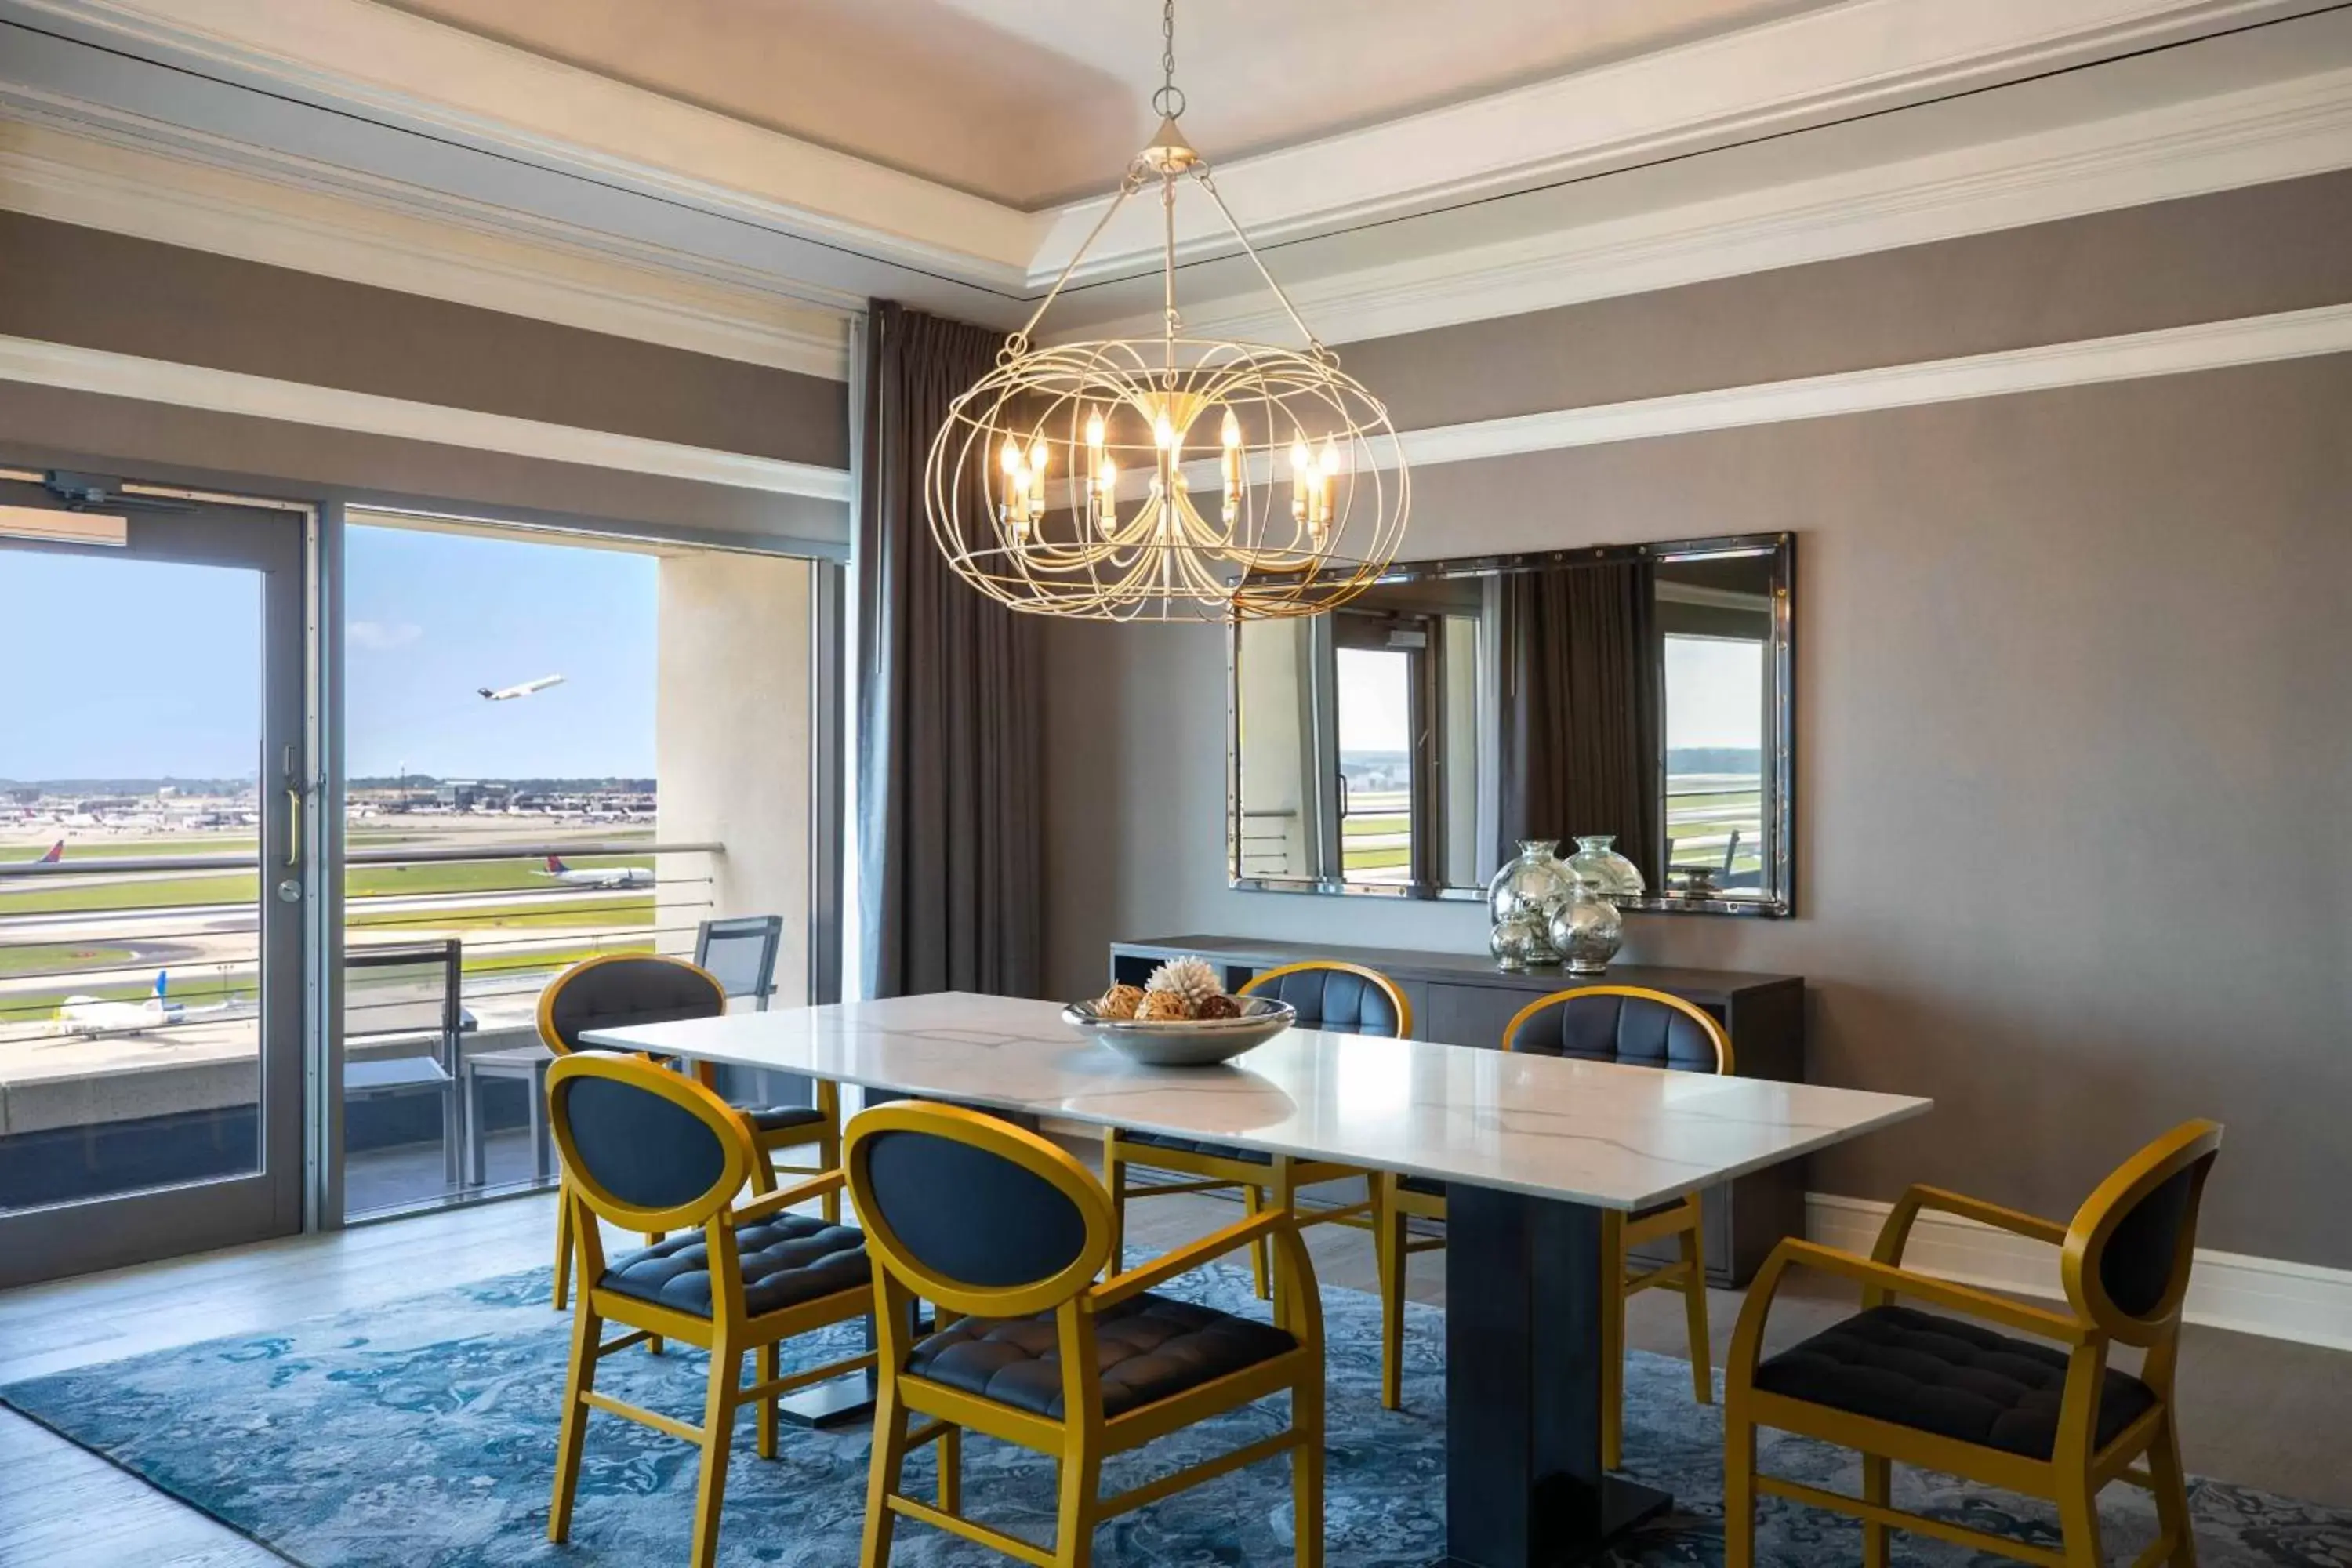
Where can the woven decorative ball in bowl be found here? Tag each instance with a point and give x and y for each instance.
(1181, 1017)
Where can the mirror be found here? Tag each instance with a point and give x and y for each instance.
(1407, 743)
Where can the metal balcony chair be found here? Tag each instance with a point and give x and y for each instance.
(375, 1067)
(1595, 1022)
(1000, 1226)
(2051, 1421)
(650, 1149)
(742, 952)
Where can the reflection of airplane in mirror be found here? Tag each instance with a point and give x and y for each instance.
(607, 876)
(95, 1015)
(508, 693)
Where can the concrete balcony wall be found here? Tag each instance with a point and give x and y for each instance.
(732, 743)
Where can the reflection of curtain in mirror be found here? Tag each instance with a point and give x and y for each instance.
(1580, 731)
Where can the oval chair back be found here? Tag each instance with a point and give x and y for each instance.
(620, 990)
(645, 1148)
(975, 1214)
(1338, 998)
(2127, 1252)
(1625, 1024)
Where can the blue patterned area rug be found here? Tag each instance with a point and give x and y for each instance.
(421, 1434)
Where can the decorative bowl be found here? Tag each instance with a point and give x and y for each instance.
(1185, 1042)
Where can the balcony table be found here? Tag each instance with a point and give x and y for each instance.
(1533, 1149)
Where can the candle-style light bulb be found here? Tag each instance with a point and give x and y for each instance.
(1095, 429)
(1012, 454)
(1330, 456)
(1107, 507)
(1163, 432)
(1232, 433)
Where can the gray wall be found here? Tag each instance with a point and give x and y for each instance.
(65, 284)
(2075, 724)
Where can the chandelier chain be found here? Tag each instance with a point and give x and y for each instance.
(1169, 101)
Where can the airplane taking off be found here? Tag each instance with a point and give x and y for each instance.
(93, 1015)
(607, 876)
(508, 693)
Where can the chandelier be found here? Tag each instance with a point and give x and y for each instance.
(1168, 478)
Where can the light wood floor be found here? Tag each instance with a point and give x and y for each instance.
(2261, 1412)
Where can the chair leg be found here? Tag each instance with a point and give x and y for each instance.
(1307, 1469)
(562, 1248)
(1388, 1251)
(580, 1377)
(2078, 1524)
(828, 1154)
(765, 1363)
(882, 1478)
(1613, 1341)
(950, 1452)
(1878, 1487)
(1739, 1488)
(1285, 1198)
(2172, 1488)
(1261, 1272)
(1073, 1521)
(1695, 1313)
(1115, 1179)
(717, 1432)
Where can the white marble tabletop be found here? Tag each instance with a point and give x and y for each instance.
(1616, 1137)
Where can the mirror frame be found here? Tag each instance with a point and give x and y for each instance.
(1780, 809)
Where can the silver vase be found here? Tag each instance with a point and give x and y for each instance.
(1532, 885)
(1588, 929)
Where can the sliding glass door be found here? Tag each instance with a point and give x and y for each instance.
(152, 878)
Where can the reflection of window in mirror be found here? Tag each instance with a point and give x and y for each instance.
(1716, 620)
(1376, 804)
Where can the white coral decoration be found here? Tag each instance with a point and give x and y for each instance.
(1190, 978)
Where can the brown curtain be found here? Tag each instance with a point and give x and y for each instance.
(949, 709)
(1581, 699)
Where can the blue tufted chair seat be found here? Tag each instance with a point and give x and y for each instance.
(776, 1118)
(1151, 1348)
(1947, 1376)
(1632, 1030)
(786, 1260)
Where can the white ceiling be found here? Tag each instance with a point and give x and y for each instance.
(1036, 101)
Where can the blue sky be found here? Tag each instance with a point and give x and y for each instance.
(134, 669)
(431, 617)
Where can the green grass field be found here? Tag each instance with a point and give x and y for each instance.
(59, 958)
(171, 892)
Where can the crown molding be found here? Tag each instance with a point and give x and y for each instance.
(1856, 57)
(2131, 357)
(114, 374)
(2284, 131)
(2089, 362)
(481, 258)
(1860, 57)
(401, 69)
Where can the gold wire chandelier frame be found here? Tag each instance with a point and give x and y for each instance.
(1172, 478)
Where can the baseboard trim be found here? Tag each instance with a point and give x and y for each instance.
(2268, 1296)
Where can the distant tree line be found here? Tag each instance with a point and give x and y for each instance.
(520, 786)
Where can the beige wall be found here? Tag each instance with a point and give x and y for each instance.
(733, 737)
(2074, 726)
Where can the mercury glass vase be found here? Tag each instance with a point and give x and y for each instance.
(1533, 884)
(1597, 861)
(1588, 929)
(1517, 941)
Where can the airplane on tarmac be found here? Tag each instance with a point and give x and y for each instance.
(55, 853)
(95, 1015)
(508, 693)
(605, 877)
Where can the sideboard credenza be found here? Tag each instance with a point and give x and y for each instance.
(1464, 1000)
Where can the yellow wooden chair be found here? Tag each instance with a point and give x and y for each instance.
(650, 1149)
(994, 1223)
(1340, 998)
(618, 990)
(1597, 1023)
(1906, 1386)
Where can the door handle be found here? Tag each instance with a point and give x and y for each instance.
(293, 826)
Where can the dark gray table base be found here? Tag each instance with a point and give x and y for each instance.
(1524, 1485)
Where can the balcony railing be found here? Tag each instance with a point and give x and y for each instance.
(129, 991)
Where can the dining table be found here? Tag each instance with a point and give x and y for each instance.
(1532, 1149)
